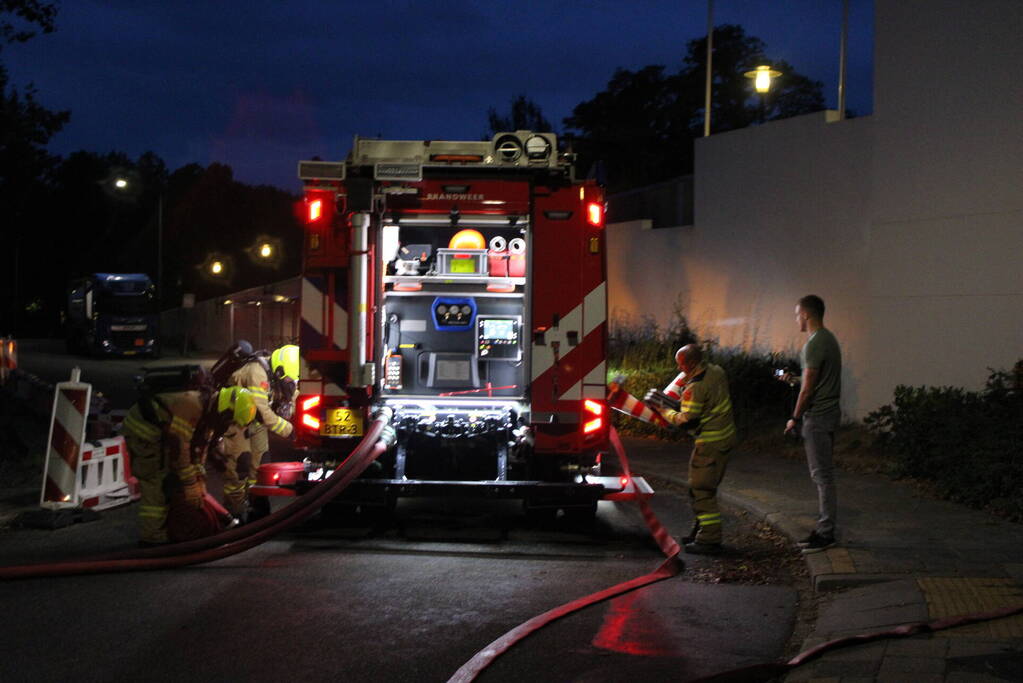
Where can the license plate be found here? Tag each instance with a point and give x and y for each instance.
(341, 422)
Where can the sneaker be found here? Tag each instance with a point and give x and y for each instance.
(697, 548)
(817, 543)
(803, 542)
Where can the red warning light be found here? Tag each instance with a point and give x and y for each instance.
(315, 210)
(308, 403)
(595, 214)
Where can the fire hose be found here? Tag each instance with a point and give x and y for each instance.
(233, 541)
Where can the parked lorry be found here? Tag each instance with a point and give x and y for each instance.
(463, 286)
(112, 314)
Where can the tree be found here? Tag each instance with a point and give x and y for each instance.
(643, 124)
(25, 129)
(525, 115)
(22, 19)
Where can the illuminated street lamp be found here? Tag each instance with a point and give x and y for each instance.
(217, 267)
(762, 77)
(265, 251)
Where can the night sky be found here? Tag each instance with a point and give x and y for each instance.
(261, 84)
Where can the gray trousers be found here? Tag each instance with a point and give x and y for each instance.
(819, 440)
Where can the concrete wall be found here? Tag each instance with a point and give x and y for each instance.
(946, 249)
(779, 213)
(909, 223)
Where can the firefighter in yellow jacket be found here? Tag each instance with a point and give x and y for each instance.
(243, 449)
(705, 410)
(165, 457)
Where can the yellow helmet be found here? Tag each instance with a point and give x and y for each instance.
(237, 404)
(284, 362)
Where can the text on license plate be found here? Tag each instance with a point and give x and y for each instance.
(341, 422)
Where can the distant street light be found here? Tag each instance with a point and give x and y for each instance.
(265, 251)
(121, 183)
(217, 267)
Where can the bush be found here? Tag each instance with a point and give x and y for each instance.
(645, 355)
(970, 444)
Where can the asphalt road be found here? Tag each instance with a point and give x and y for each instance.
(48, 359)
(410, 598)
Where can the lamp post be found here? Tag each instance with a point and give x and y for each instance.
(122, 184)
(762, 77)
(709, 76)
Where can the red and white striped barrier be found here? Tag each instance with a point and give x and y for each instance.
(64, 445)
(80, 473)
(104, 475)
(624, 402)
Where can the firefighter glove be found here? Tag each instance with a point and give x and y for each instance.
(659, 401)
(194, 493)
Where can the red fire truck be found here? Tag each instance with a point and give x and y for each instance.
(462, 285)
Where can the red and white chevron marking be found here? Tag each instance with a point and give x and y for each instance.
(67, 434)
(581, 369)
(624, 402)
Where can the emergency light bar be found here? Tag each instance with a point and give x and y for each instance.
(321, 170)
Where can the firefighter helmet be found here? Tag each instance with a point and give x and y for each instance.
(284, 362)
(468, 239)
(236, 404)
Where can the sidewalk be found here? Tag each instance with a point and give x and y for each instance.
(900, 559)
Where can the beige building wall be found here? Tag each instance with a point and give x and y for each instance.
(909, 222)
(946, 249)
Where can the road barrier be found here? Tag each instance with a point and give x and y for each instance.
(104, 476)
(8, 359)
(64, 443)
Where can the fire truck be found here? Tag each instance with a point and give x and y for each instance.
(461, 285)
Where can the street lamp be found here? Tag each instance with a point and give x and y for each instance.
(265, 251)
(123, 184)
(762, 77)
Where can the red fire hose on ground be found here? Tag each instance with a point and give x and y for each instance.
(232, 541)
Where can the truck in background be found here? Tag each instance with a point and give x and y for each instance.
(112, 314)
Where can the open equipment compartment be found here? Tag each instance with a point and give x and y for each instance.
(453, 318)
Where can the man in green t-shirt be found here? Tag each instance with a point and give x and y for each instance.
(817, 414)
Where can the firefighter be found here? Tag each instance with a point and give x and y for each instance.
(168, 436)
(705, 411)
(243, 449)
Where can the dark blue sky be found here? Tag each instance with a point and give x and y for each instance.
(263, 83)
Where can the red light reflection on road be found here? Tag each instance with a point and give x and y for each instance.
(631, 628)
